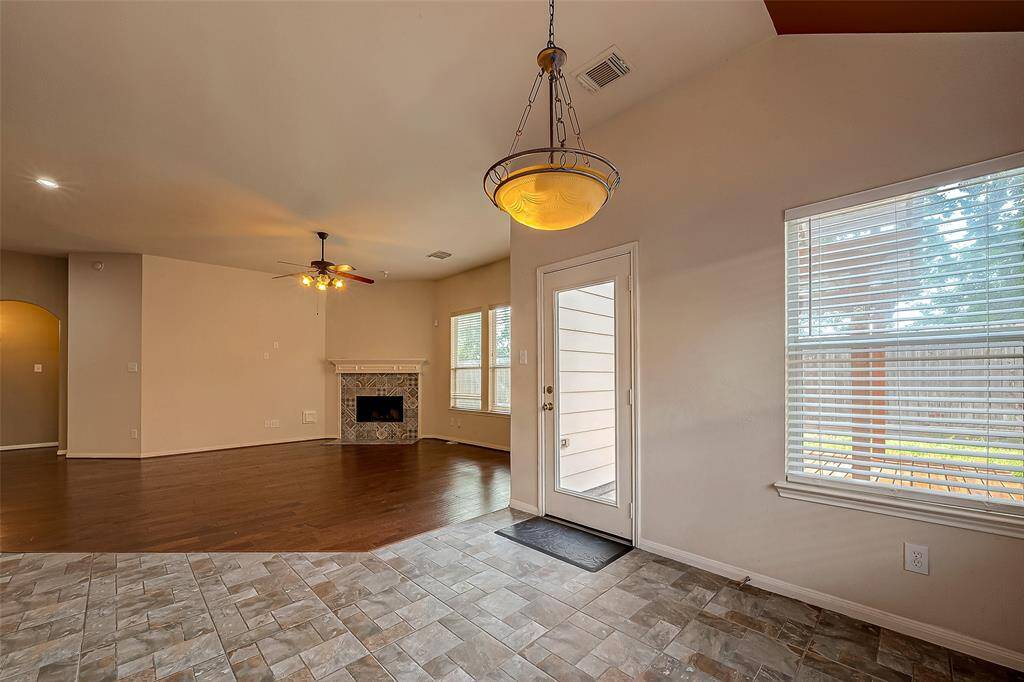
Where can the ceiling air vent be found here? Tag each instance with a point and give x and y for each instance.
(603, 70)
(439, 255)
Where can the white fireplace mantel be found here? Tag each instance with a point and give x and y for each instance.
(386, 366)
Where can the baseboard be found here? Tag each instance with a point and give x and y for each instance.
(62, 452)
(186, 451)
(523, 507)
(907, 626)
(28, 446)
(84, 454)
(479, 444)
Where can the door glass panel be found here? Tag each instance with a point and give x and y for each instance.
(585, 388)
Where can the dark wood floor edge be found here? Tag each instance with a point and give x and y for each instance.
(6, 552)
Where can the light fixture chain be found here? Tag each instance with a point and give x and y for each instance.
(559, 116)
(526, 112)
(551, 23)
(574, 120)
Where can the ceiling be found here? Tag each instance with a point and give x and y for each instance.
(890, 16)
(228, 132)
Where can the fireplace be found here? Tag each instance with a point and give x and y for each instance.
(378, 400)
(380, 408)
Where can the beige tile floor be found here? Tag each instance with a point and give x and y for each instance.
(458, 603)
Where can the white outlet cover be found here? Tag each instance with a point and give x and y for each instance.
(37, 368)
(915, 558)
(522, 357)
(276, 345)
(266, 356)
(133, 367)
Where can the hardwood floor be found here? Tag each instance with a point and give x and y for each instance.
(297, 496)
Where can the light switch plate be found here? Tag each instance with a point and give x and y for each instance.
(522, 357)
(309, 416)
(133, 367)
(37, 368)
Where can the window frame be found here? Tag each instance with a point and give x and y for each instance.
(491, 383)
(453, 368)
(933, 508)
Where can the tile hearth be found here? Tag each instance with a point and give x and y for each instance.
(458, 603)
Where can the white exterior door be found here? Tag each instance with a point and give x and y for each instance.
(586, 323)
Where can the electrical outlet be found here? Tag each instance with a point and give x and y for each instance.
(266, 356)
(37, 368)
(275, 423)
(276, 345)
(522, 357)
(266, 423)
(133, 434)
(915, 558)
(309, 416)
(133, 367)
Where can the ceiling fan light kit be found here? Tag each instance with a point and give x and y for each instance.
(323, 274)
(558, 186)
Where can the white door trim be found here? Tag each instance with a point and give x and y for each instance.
(632, 250)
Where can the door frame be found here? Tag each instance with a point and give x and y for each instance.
(632, 250)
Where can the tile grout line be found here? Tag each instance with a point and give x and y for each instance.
(209, 611)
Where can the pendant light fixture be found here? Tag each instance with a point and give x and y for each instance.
(558, 186)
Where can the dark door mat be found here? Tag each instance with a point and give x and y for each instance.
(573, 546)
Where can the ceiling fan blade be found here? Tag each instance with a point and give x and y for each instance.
(358, 278)
(290, 274)
(298, 265)
(341, 267)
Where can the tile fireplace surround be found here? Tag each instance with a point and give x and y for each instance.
(378, 377)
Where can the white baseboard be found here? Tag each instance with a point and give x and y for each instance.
(28, 446)
(480, 444)
(907, 626)
(186, 451)
(62, 452)
(523, 507)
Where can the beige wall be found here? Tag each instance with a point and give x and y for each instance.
(476, 289)
(206, 330)
(709, 168)
(42, 280)
(104, 337)
(386, 320)
(29, 336)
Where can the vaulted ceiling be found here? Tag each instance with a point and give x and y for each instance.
(229, 132)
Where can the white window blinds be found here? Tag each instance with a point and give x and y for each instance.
(905, 344)
(501, 359)
(466, 361)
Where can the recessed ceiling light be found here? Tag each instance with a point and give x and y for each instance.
(48, 183)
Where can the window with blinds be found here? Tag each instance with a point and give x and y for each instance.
(466, 361)
(905, 343)
(500, 324)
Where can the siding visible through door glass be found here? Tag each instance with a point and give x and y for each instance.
(586, 390)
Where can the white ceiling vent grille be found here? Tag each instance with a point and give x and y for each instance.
(603, 70)
(439, 255)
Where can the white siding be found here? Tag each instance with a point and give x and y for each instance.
(586, 387)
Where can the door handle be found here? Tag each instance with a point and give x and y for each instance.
(547, 407)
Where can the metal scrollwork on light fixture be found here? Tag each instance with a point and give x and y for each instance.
(558, 186)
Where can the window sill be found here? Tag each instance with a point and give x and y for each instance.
(987, 521)
(482, 413)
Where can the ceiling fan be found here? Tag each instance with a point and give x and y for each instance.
(323, 274)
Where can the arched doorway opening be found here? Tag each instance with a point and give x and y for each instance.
(29, 376)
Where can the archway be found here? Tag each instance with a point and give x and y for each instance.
(30, 369)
